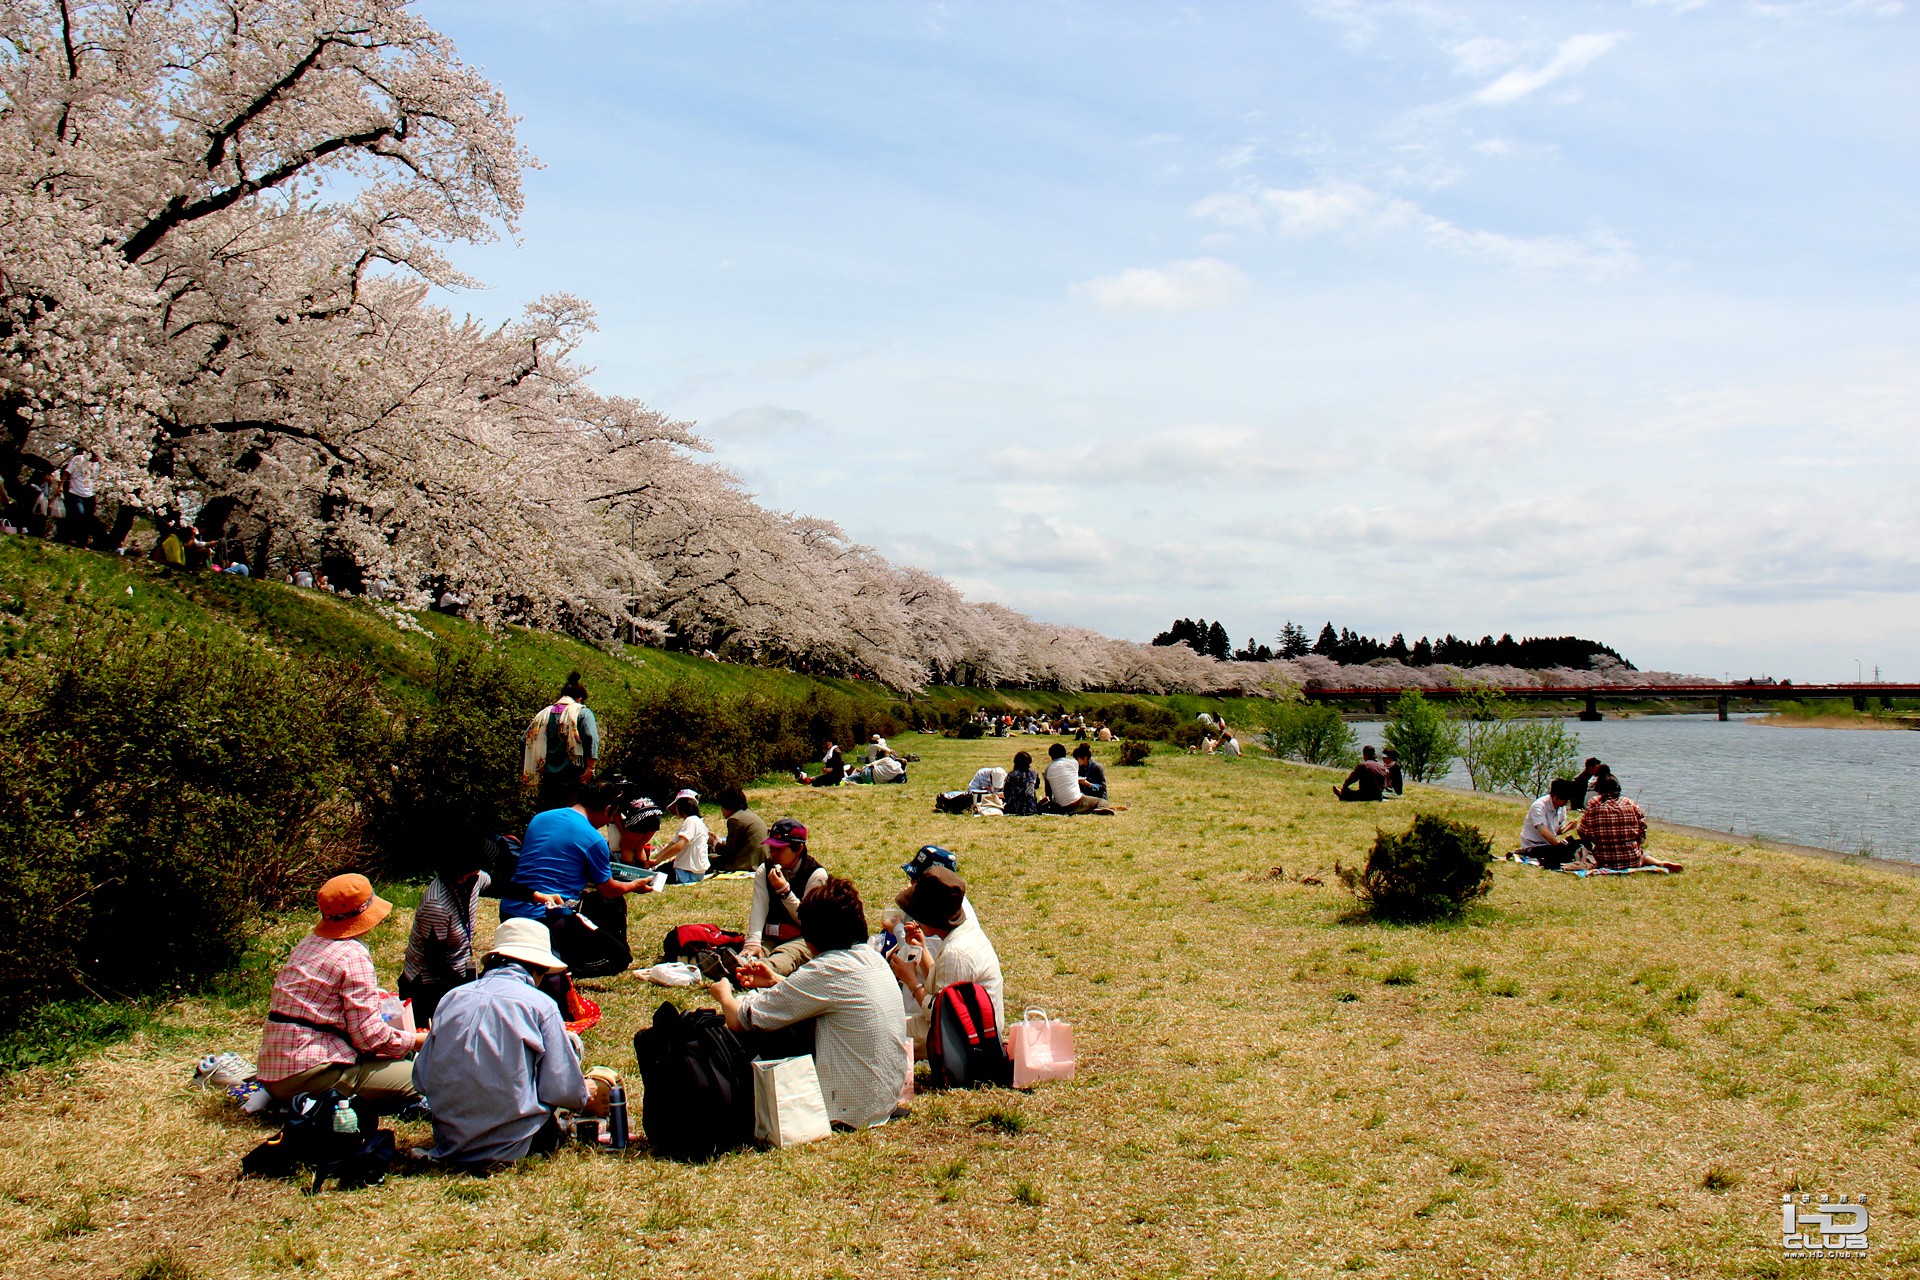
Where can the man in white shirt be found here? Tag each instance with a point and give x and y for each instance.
(1540, 830)
(937, 903)
(82, 470)
(1063, 786)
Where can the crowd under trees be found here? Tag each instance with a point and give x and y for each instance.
(225, 224)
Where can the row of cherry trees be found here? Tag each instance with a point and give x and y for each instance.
(223, 220)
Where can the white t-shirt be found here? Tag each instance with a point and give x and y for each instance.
(1541, 816)
(693, 857)
(1063, 780)
(988, 779)
(1230, 747)
(887, 768)
(80, 475)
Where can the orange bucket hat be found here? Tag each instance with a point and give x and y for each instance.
(349, 907)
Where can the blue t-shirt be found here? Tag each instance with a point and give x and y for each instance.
(561, 854)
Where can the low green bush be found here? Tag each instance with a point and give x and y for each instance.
(1134, 752)
(1429, 873)
(154, 791)
(1137, 718)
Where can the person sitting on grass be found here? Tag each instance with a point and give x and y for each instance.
(1021, 790)
(1396, 780)
(562, 855)
(833, 769)
(1229, 745)
(848, 994)
(1543, 834)
(886, 767)
(936, 902)
(1368, 781)
(440, 948)
(1093, 778)
(1613, 828)
(498, 1060)
(1063, 786)
(987, 784)
(632, 832)
(687, 851)
(788, 875)
(746, 833)
(324, 1029)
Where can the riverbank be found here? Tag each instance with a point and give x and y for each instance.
(1850, 720)
(1604, 1076)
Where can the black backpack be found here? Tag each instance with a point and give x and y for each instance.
(953, 802)
(963, 1042)
(308, 1140)
(697, 1083)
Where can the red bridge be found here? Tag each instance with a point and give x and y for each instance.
(1721, 694)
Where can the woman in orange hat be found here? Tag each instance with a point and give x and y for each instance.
(324, 1029)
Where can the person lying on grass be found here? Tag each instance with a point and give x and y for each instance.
(886, 767)
(851, 999)
(936, 903)
(324, 1029)
(498, 1060)
(440, 949)
(779, 884)
(1613, 829)
(1543, 833)
(1368, 781)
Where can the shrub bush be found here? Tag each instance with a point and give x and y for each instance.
(1430, 873)
(456, 763)
(1420, 734)
(154, 790)
(1134, 752)
(1137, 718)
(1187, 734)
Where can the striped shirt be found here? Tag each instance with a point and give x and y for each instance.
(328, 981)
(860, 1031)
(440, 948)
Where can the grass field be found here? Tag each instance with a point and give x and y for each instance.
(1586, 1078)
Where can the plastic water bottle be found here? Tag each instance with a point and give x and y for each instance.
(617, 1118)
(346, 1120)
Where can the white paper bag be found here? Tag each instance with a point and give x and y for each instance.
(788, 1107)
(1042, 1049)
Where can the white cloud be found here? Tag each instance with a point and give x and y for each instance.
(1222, 455)
(1482, 54)
(1347, 206)
(1576, 52)
(762, 421)
(1179, 286)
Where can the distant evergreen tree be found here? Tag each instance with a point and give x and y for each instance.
(1293, 640)
(1218, 645)
(1328, 645)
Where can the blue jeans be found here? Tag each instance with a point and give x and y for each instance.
(676, 875)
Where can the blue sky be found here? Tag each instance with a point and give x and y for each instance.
(1588, 318)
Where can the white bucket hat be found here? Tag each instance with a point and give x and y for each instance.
(526, 941)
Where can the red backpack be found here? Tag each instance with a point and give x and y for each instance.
(963, 1042)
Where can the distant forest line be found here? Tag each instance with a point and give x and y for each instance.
(1350, 648)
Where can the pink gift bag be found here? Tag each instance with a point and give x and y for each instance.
(1042, 1049)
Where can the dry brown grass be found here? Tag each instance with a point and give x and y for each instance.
(1594, 1078)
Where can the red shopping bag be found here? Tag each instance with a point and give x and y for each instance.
(1042, 1049)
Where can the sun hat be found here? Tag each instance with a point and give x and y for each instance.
(930, 855)
(638, 810)
(935, 898)
(786, 831)
(527, 941)
(687, 793)
(349, 907)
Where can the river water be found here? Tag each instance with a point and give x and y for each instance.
(1852, 790)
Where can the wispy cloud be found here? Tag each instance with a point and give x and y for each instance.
(1351, 207)
(1193, 284)
(1575, 54)
(1223, 455)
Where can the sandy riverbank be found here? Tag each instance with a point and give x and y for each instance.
(1833, 722)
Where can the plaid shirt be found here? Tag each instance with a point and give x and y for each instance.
(329, 981)
(1613, 830)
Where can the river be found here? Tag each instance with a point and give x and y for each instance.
(1851, 790)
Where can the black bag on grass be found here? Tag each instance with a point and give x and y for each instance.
(697, 1085)
(963, 1043)
(308, 1141)
(953, 802)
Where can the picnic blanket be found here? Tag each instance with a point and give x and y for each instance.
(1585, 871)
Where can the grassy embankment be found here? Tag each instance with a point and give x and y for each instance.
(1615, 1077)
(1838, 713)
